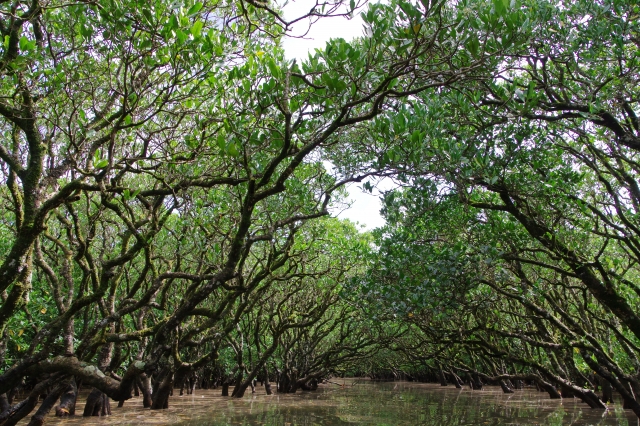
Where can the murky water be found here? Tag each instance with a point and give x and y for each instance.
(396, 403)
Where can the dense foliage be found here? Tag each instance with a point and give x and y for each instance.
(168, 177)
(512, 248)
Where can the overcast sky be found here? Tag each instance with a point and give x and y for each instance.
(365, 207)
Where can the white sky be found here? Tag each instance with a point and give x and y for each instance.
(365, 207)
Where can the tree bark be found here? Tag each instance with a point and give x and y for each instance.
(144, 383)
(441, 376)
(505, 388)
(457, 381)
(267, 384)
(47, 404)
(22, 409)
(607, 391)
(91, 375)
(476, 382)
(68, 400)
(97, 404)
(4, 403)
(162, 393)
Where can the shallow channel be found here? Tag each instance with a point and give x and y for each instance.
(363, 403)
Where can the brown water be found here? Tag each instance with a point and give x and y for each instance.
(395, 403)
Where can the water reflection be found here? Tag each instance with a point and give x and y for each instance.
(398, 403)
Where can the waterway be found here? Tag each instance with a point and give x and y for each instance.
(364, 403)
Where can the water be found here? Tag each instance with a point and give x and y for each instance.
(365, 403)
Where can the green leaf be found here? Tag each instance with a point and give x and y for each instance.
(232, 149)
(196, 29)
(194, 9)
(499, 7)
(147, 14)
(220, 140)
(473, 45)
(277, 143)
(182, 36)
(273, 67)
(26, 45)
(101, 164)
(174, 23)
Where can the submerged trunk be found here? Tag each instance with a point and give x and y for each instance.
(607, 391)
(457, 381)
(162, 393)
(591, 399)
(550, 389)
(97, 404)
(309, 385)
(634, 389)
(476, 383)
(180, 379)
(287, 384)
(144, 383)
(625, 391)
(443, 379)
(4, 403)
(192, 385)
(504, 386)
(240, 388)
(68, 399)
(136, 389)
(47, 405)
(267, 385)
(19, 411)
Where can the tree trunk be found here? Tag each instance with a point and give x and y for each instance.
(162, 393)
(180, 380)
(505, 388)
(68, 399)
(607, 391)
(475, 380)
(267, 384)
(634, 389)
(591, 399)
(192, 385)
(441, 376)
(4, 403)
(47, 404)
(144, 384)
(22, 409)
(550, 389)
(97, 404)
(457, 381)
(225, 389)
(240, 387)
(567, 393)
(136, 389)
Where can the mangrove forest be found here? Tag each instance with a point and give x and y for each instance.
(171, 183)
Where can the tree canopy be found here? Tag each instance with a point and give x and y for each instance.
(169, 177)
